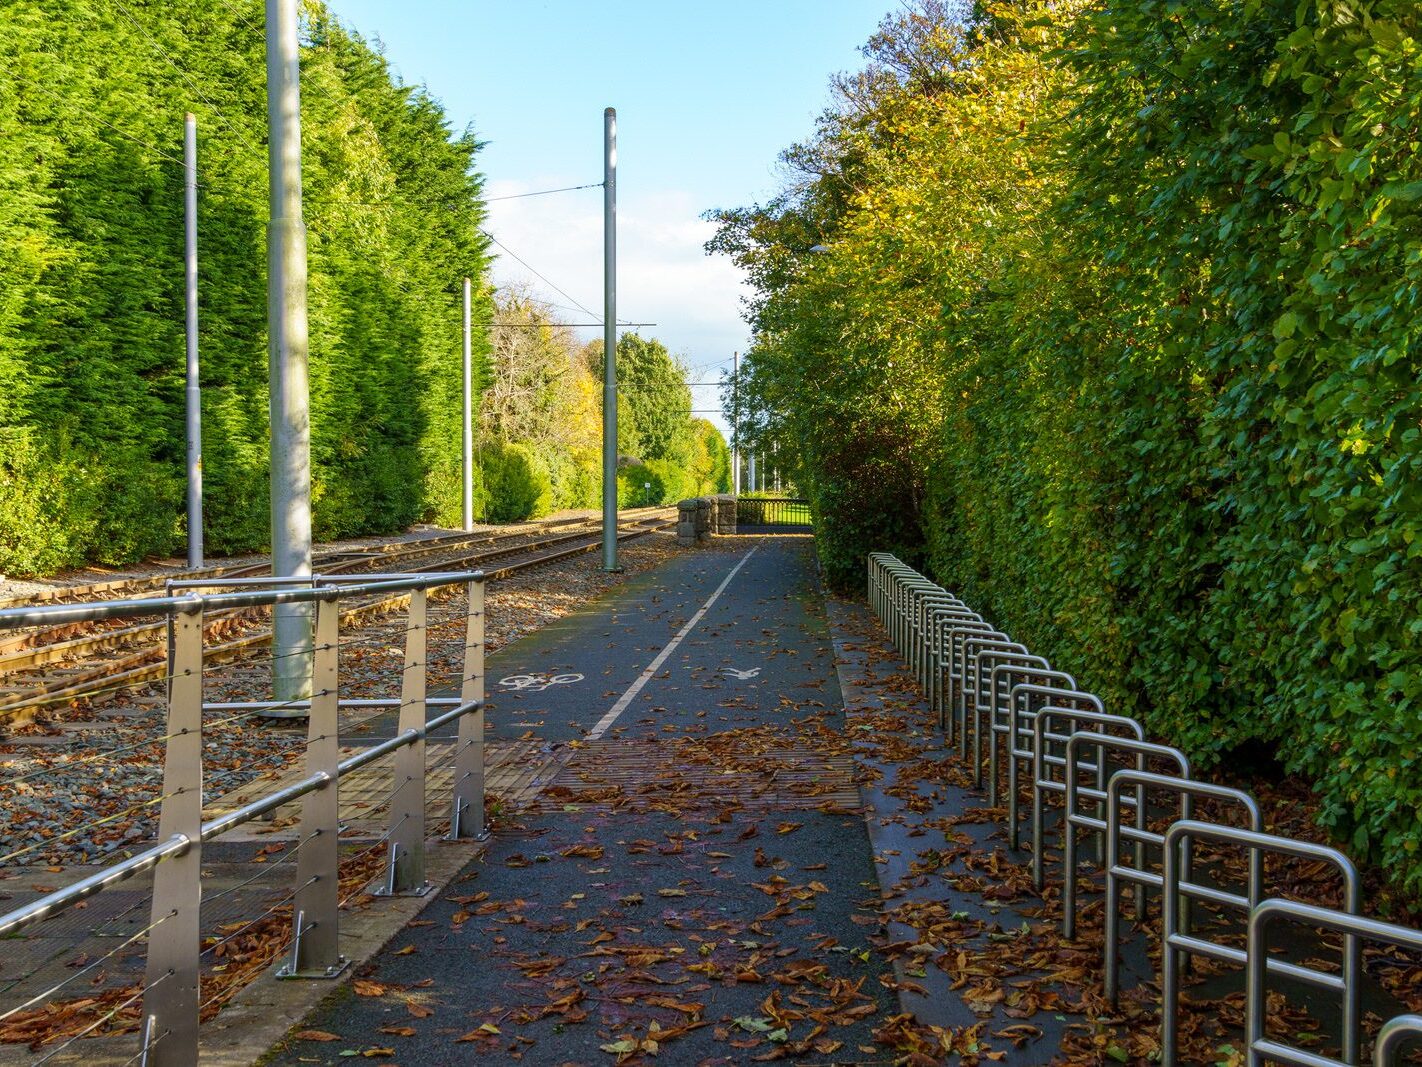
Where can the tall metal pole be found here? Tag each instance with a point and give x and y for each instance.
(287, 352)
(609, 340)
(736, 423)
(193, 391)
(468, 413)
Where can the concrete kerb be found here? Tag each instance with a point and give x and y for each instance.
(260, 1016)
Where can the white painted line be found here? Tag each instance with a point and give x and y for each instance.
(636, 687)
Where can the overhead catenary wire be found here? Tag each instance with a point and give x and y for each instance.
(103, 121)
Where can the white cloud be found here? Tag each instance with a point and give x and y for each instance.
(664, 276)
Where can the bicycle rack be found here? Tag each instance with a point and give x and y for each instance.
(987, 662)
(1074, 820)
(1176, 938)
(1116, 831)
(1043, 760)
(1003, 726)
(962, 661)
(1022, 713)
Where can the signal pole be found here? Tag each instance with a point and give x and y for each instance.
(609, 340)
(287, 353)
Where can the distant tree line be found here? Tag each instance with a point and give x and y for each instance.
(92, 99)
(541, 439)
(1115, 327)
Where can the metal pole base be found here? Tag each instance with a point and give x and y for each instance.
(383, 890)
(473, 839)
(333, 971)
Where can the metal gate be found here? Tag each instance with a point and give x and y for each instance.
(781, 512)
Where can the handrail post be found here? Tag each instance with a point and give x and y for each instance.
(315, 943)
(170, 999)
(406, 873)
(467, 816)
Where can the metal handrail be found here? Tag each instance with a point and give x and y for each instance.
(170, 1030)
(59, 614)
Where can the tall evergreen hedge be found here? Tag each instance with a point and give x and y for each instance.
(92, 99)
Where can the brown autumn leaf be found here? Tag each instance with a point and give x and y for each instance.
(365, 988)
(315, 1035)
(399, 1031)
(419, 1011)
(587, 851)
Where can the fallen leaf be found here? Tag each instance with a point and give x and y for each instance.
(315, 1035)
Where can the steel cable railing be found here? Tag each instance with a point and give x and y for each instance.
(1080, 752)
(169, 1022)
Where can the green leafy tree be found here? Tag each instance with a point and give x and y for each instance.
(1117, 334)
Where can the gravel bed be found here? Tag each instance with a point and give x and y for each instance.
(102, 759)
(19, 587)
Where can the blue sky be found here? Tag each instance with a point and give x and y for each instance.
(707, 92)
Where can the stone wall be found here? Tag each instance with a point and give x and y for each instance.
(701, 517)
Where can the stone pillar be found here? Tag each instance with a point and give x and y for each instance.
(725, 513)
(686, 522)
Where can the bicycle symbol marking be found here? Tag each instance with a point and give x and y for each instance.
(536, 683)
(742, 675)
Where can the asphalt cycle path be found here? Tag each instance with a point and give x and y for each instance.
(696, 886)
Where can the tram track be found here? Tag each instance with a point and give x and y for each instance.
(52, 667)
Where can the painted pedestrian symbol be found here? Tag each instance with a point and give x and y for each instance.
(742, 675)
(536, 683)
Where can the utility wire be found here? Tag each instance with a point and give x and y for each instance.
(515, 256)
(185, 75)
(562, 292)
(543, 192)
(105, 122)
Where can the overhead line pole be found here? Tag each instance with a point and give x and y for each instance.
(468, 412)
(736, 423)
(609, 340)
(193, 391)
(287, 353)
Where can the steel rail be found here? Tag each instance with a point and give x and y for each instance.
(146, 665)
(98, 590)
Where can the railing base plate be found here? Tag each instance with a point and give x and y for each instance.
(419, 891)
(286, 973)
